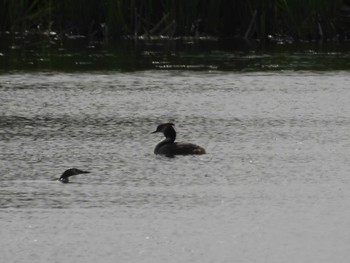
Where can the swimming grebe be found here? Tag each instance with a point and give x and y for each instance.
(70, 172)
(169, 147)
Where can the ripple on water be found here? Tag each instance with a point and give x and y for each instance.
(275, 176)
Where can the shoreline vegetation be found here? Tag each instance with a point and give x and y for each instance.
(101, 21)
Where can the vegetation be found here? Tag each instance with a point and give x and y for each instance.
(259, 19)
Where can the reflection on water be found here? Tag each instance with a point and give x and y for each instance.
(273, 185)
(224, 55)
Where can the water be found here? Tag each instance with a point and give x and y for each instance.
(36, 53)
(274, 186)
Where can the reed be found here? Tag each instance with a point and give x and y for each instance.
(24, 14)
(308, 17)
(225, 18)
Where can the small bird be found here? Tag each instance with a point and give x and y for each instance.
(169, 147)
(70, 172)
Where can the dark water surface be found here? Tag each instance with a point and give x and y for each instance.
(274, 186)
(80, 54)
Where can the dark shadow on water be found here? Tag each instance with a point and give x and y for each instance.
(78, 54)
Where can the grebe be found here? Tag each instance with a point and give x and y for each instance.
(169, 147)
(70, 172)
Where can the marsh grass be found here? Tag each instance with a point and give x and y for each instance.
(134, 18)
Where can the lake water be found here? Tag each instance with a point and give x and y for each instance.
(274, 186)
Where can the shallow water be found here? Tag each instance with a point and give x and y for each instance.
(274, 186)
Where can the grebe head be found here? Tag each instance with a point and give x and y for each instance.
(167, 129)
(163, 127)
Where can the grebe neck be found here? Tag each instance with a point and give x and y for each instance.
(170, 134)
